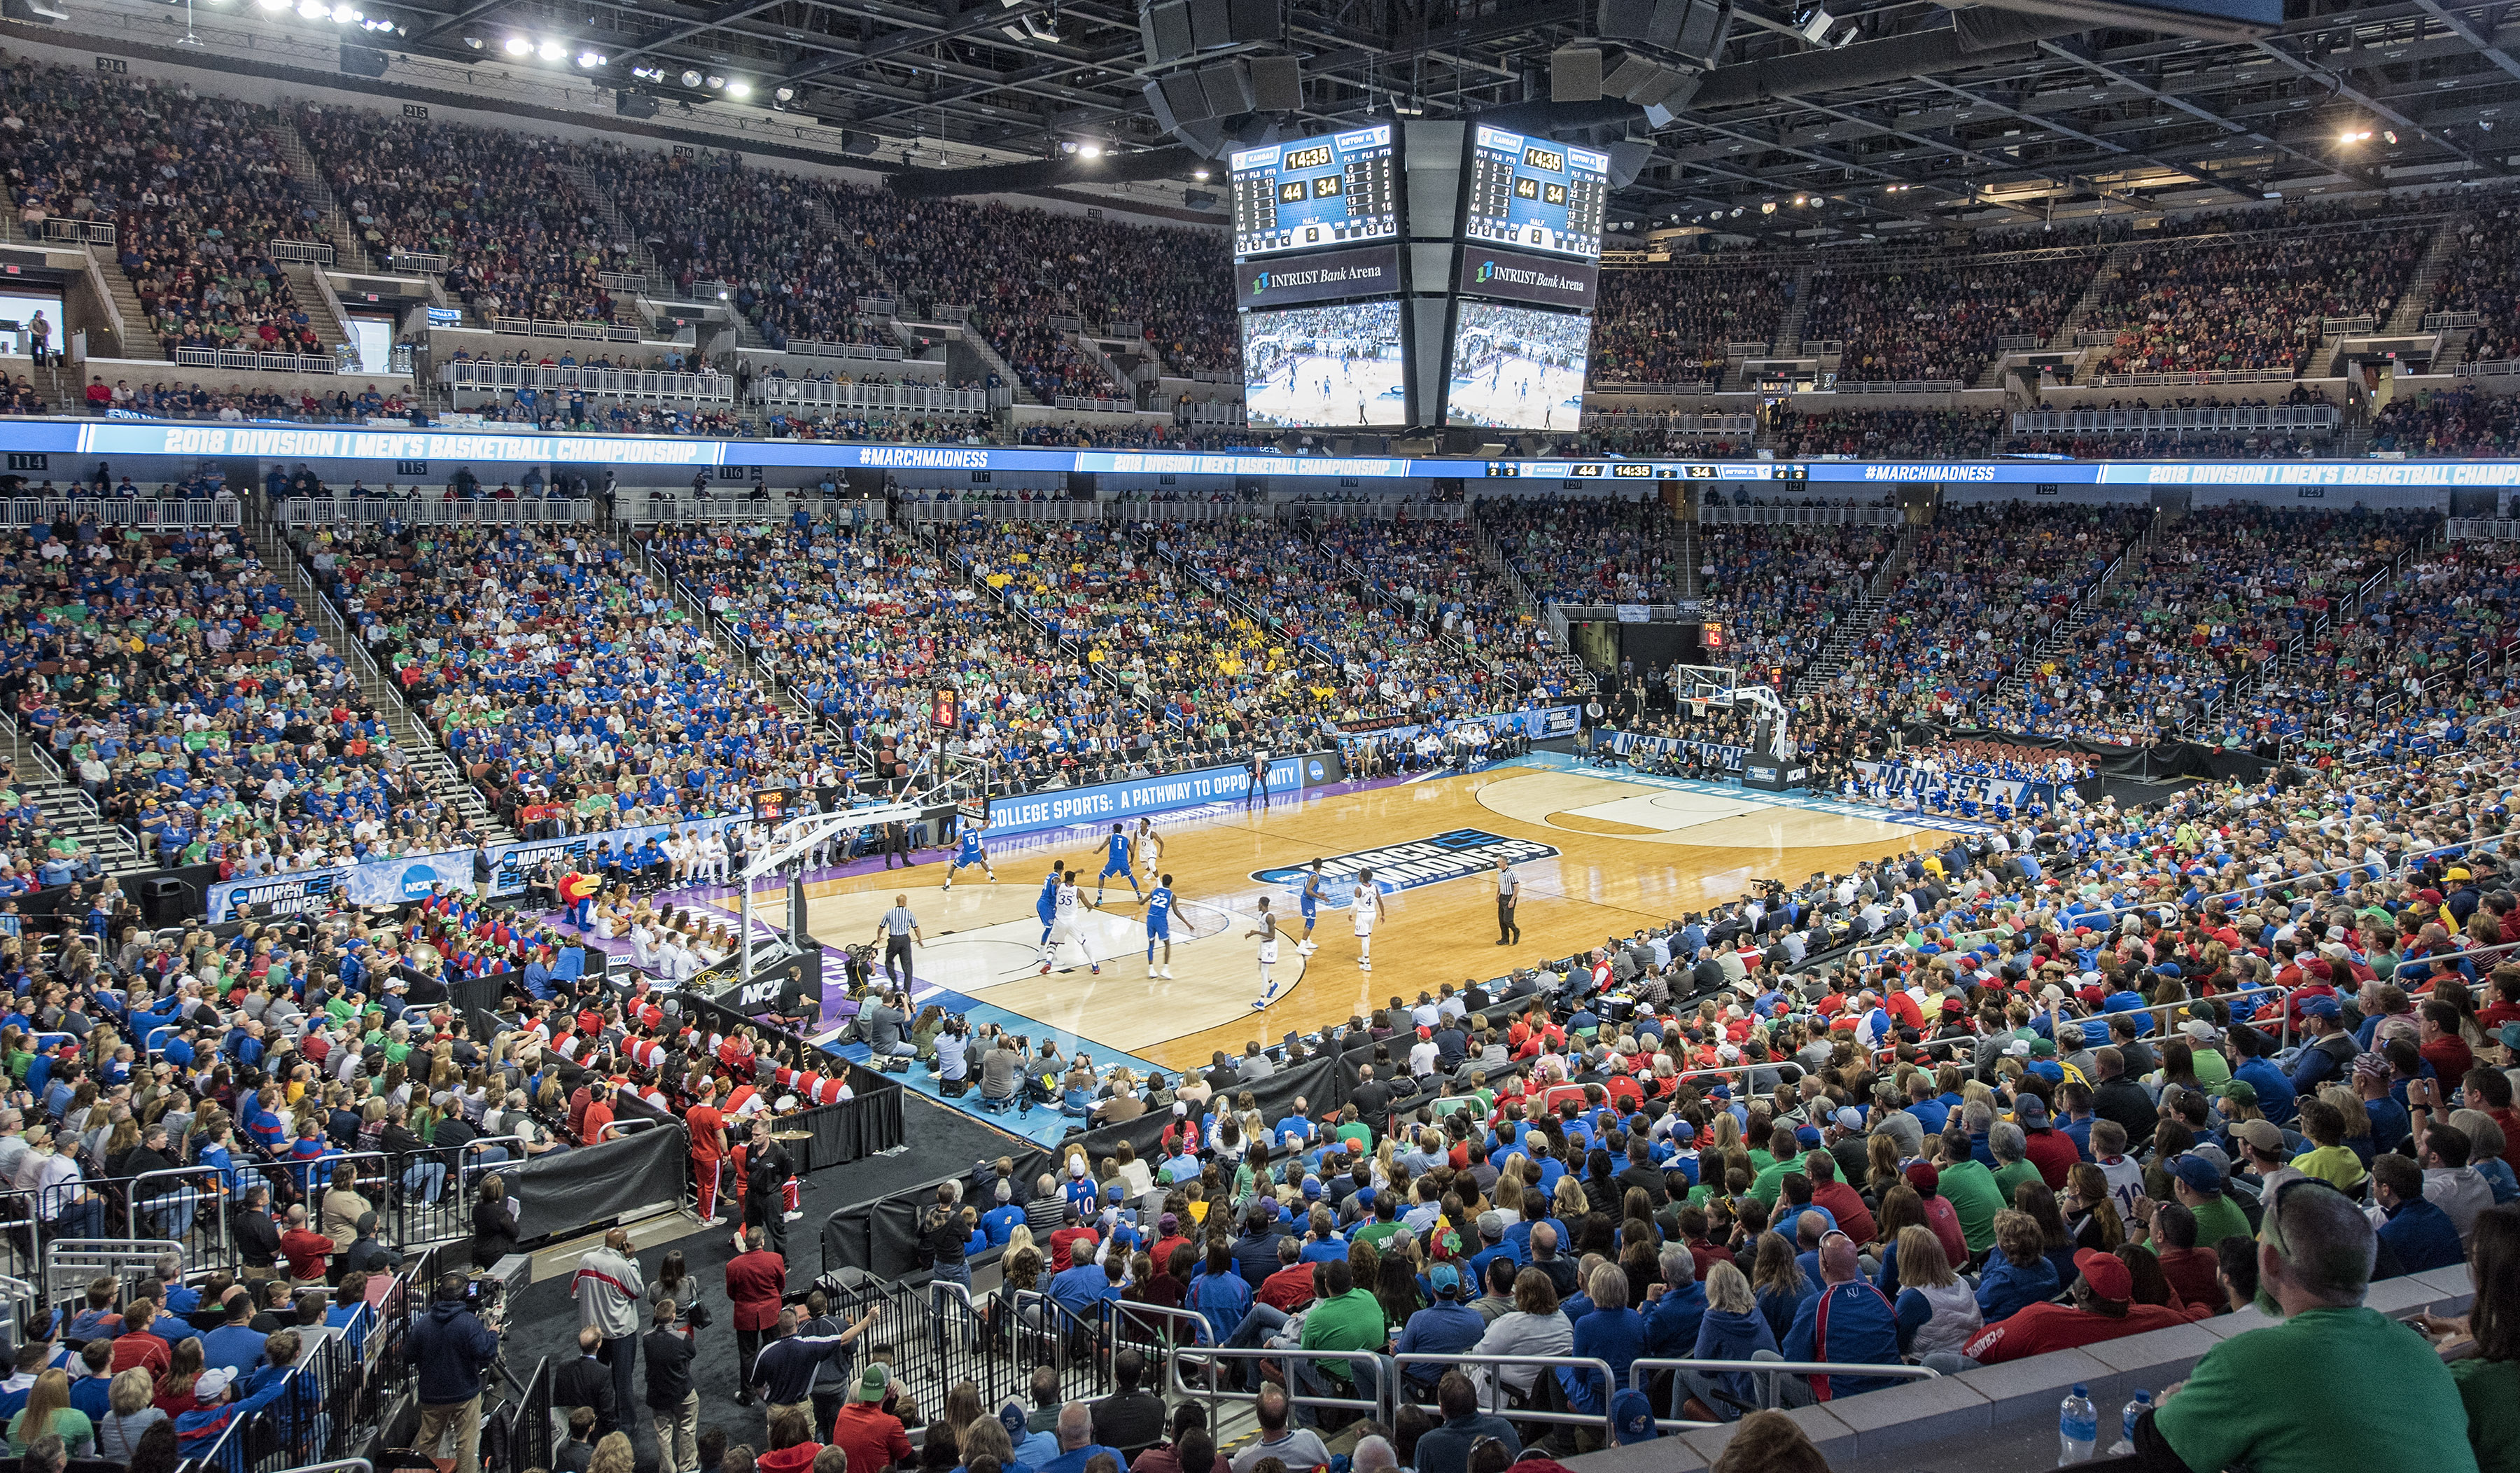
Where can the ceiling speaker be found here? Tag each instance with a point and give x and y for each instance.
(1187, 98)
(1211, 23)
(1575, 75)
(1256, 21)
(1228, 85)
(1277, 84)
(1165, 29)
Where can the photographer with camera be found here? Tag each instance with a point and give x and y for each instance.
(452, 1348)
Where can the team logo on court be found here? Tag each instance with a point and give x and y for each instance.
(1461, 854)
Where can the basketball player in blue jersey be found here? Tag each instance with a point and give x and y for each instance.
(970, 854)
(1309, 901)
(1047, 907)
(1159, 926)
(1118, 863)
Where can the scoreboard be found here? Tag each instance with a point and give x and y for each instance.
(1536, 193)
(1336, 190)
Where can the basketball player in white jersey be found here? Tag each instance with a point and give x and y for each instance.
(1150, 846)
(1068, 910)
(1366, 905)
(1266, 929)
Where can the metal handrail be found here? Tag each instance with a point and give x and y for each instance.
(1216, 1394)
(1600, 1421)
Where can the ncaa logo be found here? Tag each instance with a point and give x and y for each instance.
(1459, 854)
(415, 881)
(1314, 772)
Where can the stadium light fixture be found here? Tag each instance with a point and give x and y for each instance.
(717, 84)
(343, 15)
(313, 10)
(1199, 173)
(518, 46)
(739, 88)
(1089, 150)
(691, 78)
(1765, 208)
(590, 58)
(785, 95)
(274, 4)
(550, 51)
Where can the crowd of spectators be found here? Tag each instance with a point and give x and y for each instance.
(560, 677)
(2204, 606)
(180, 686)
(2478, 278)
(2214, 303)
(1983, 586)
(193, 186)
(1672, 326)
(1604, 550)
(2455, 423)
(521, 238)
(1939, 322)
(1780, 592)
(1887, 433)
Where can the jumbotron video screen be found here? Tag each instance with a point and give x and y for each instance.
(1516, 368)
(1325, 365)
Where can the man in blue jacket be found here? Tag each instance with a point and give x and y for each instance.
(1847, 1322)
(1446, 1327)
(2418, 1232)
(1676, 1307)
(452, 1347)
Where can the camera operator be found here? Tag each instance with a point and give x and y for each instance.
(452, 1348)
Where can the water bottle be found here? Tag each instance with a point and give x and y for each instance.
(2125, 1445)
(2078, 1428)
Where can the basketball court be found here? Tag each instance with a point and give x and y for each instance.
(1600, 853)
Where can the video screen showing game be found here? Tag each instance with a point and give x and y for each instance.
(1325, 365)
(1516, 368)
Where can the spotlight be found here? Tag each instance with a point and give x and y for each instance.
(1089, 150)
(274, 4)
(1067, 145)
(552, 51)
(1799, 202)
(2388, 138)
(518, 46)
(313, 10)
(590, 58)
(739, 88)
(785, 95)
(717, 83)
(1202, 173)
(1765, 208)
(691, 78)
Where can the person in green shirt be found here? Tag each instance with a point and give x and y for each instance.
(2335, 1385)
(2198, 1185)
(2009, 1144)
(1346, 1318)
(2485, 1342)
(1974, 1197)
(1780, 1157)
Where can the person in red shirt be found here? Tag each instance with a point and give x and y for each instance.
(598, 1113)
(2437, 1026)
(136, 1348)
(305, 1251)
(2048, 1148)
(2103, 1309)
(871, 1434)
(1063, 1241)
(756, 1281)
(1841, 1201)
(1940, 1216)
(708, 1148)
(1290, 1288)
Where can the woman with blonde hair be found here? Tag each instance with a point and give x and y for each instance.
(1937, 1311)
(49, 1410)
(614, 1454)
(128, 1397)
(1570, 1202)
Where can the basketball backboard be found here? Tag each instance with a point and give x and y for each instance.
(1712, 684)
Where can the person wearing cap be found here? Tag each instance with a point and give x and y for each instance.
(1447, 1327)
(2328, 1055)
(1940, 1216)
(366, 1254)
(2102, 1308)
(452, 1349)
(2244, 1404)
(2199, 1185)
(867, 1429)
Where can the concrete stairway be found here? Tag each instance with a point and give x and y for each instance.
(67, 809)
(437, 772)
(2111, 268)
(143, 341)
(1860, 620)
(310, 300)
(2418, 300)
(347, 252)
(1790, 327)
